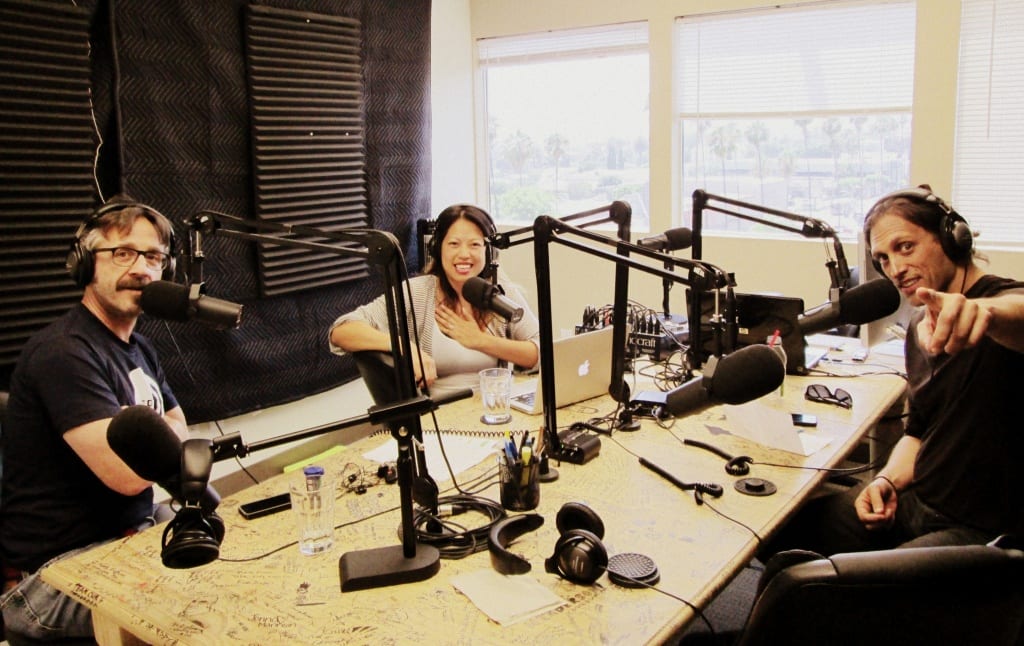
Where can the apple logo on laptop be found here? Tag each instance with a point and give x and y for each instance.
(584, 368)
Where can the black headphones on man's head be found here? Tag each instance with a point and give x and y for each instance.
(954, 233)
(81, 263)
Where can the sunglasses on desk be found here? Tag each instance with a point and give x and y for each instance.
(822, 393)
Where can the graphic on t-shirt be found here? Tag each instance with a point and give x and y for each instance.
(147, 391)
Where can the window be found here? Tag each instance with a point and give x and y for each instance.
(989, 131)
(567, 116)
(802, 109)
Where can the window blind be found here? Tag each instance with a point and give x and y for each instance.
(850, 57)
(989, 129)
(563, 44)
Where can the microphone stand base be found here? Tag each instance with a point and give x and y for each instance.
(384, 566)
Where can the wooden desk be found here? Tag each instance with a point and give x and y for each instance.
(250, 597)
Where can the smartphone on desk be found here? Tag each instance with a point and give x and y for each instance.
(265, 507)
(803, 419)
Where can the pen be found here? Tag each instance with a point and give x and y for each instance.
(510, 452)
(771, 344)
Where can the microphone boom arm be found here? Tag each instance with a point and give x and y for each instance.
(839, 271)
(700, 276)
(411, 561)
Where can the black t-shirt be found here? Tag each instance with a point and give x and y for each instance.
(965, 409)
(72, 372)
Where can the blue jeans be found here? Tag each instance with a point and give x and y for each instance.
(35, 612)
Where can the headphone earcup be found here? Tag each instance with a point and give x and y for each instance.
(80, 261)
(191, 539)
(576, 515)
(79, 264)
(956, 237)
(579, 556)
(172, 260)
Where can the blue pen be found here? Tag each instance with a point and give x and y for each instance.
(510, 451)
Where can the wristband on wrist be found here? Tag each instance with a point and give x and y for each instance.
(891, 483)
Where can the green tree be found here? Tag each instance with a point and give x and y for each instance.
(722, 141)
(757, 134)
(517, 151)
(556, 145)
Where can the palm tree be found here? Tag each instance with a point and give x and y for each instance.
(517, 152)
(555, 146)
(757, 134)
(723, 145)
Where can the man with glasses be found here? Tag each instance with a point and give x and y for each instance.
(64, 489)
(952, 479)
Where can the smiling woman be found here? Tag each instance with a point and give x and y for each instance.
(452, 339)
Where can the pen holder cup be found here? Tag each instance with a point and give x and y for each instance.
(519, 484)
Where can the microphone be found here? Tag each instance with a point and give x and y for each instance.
(671, 240)
(173, 302)
(141, 437)
(486, 296)
(861, 304)
(748, 373)
(816, 229)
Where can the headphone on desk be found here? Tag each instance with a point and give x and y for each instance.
(954, 233)
(579, 555)
(479, 217)
(81, 262)
(194, 536)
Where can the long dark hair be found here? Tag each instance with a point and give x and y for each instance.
(443, 223)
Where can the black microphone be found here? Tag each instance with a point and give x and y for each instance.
(736, 378)
(816, 229)
(174, 302)
(862, 304)
(671, 240)
(486, 296)
(141, 437)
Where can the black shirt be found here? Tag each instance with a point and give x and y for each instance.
(72, 372)
(966, 410)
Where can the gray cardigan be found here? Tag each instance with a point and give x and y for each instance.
(424, 289)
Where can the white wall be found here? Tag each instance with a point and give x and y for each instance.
(793, 267)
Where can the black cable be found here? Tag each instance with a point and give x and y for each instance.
(195, 383)
(456, 541)
(700, 501)
(692, 606)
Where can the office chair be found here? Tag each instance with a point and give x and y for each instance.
(971, 594)
(378, 372)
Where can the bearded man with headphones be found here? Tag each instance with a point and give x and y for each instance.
(952, 478)
(64, 489)
(456, 338)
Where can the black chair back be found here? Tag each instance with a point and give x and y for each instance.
(378, 372)
(933, 595)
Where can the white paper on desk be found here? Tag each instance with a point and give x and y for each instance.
(464, 452)
(765, 424)
(507, 599)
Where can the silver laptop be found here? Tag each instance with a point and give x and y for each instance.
(583, 366)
